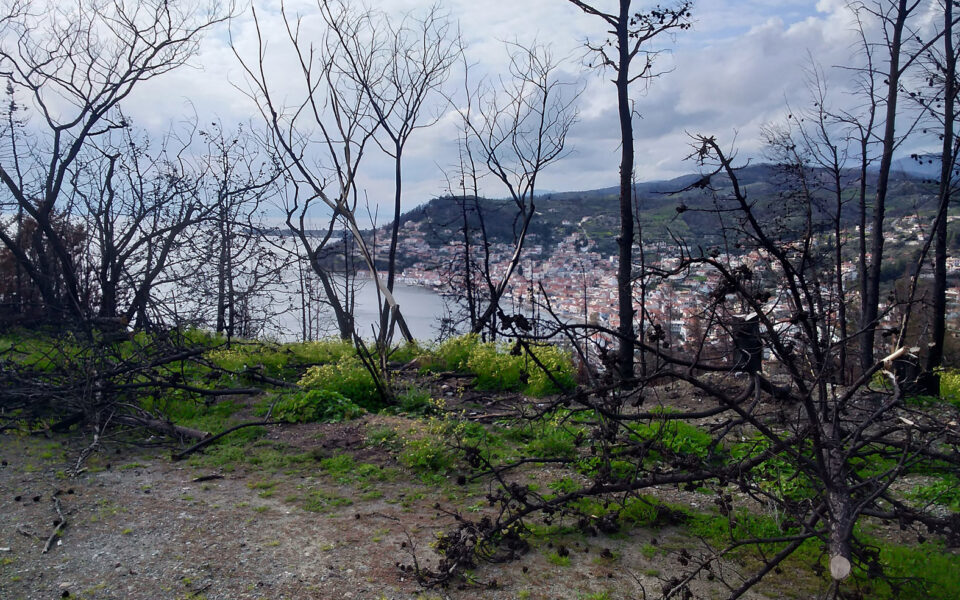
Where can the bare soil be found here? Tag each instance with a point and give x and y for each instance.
(139, 526)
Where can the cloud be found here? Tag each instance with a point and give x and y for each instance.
(732, 74)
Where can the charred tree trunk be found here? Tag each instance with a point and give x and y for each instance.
(871, 299)
(947, 159)
(625, 240)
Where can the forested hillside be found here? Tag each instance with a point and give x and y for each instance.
(676, 206)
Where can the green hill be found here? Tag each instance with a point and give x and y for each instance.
(666, 209)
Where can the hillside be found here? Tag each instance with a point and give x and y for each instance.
(596, 212)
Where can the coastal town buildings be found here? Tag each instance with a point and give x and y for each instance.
(576, 283)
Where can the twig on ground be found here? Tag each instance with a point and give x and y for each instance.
(78, 468)
(61, 523)
(23, 531)
(209, 440)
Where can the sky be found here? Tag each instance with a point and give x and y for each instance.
(741, 67)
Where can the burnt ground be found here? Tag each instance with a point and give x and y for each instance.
(277, 520)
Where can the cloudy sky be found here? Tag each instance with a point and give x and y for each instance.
(737, 70)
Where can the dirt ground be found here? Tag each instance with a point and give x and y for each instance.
(140, 526)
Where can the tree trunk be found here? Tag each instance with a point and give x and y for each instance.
(344, 317)
(935, 357)
(222, 281)
(625, 241)
(386, 316)
(871, 302)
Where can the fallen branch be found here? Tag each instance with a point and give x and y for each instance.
(484, 417)
(164, 427)
(78, 468)
(256, 375)
(61, 523)
(209, 440)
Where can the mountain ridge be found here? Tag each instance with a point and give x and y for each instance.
(666, 208)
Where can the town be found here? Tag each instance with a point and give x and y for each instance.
(576, 283)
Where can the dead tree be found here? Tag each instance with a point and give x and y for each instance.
(399, 68)
(232, 271)
(465, 275)
(844, 447)
(76, 64)
(937, 96)
(901, 47)
(137, 201)
(333, 120)
(517, 130)
(319, 142)
(630, 53)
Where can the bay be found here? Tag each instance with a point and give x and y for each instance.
(422, 308)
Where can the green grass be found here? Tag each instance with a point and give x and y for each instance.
(418, 402)
(674, 436)
(233, 452)
(321, 502)
(563, 485)
(926, 571)
(778, 474)
(552, 441)
(262, 485)
(381, 436)
(338, 465)
(284, 361)
(428, 456)
(649, 551)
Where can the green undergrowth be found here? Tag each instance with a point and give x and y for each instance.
(502, 367)
(284, 361)
(346, 377)
(950, 386)
(674, 436)
(777, 475)
(416, 402)
(430, 457)
(910, 572)
(334, 365)
(922, 572)
(314, 405)
(949, 390)
(346, 470)
(430, 448)
(434, 447)
(944, 491)
(334, 384)
(194, 413)
(556, 435)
